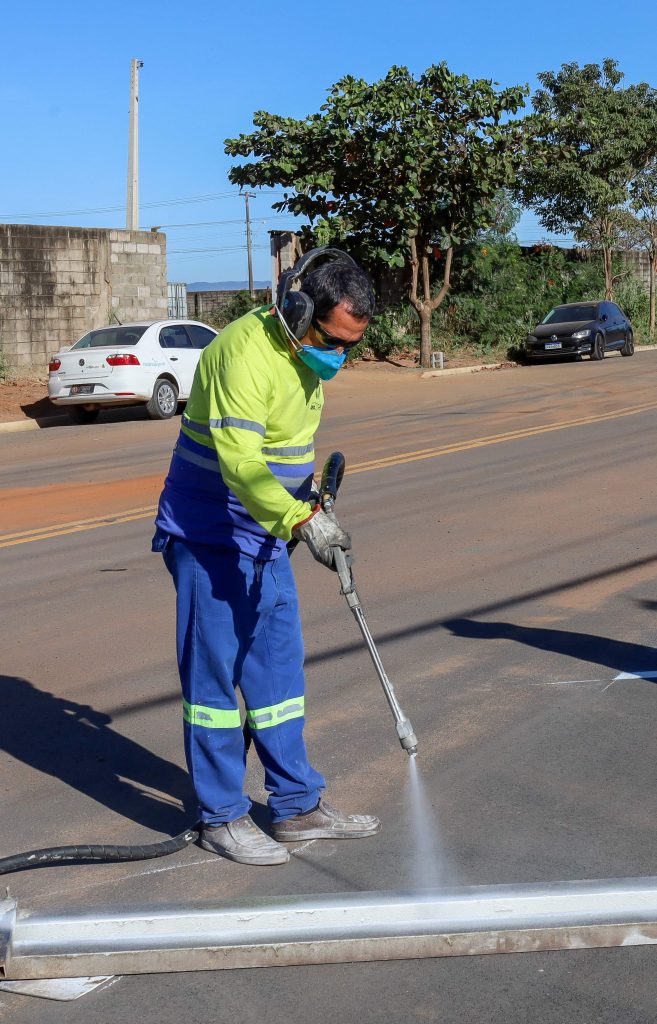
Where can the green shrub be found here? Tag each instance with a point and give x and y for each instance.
(386, 334)
(237, 306)
(633, 299)
(500, 292)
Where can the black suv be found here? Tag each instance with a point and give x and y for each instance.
(578, 328)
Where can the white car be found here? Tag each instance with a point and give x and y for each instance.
(151, 362)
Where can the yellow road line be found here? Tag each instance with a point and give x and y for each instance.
(482, 442)
(44, 533)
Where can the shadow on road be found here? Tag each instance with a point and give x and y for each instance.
(76, 744)
(599, 650)
(432, 625)
(48, 415)
(620, 653)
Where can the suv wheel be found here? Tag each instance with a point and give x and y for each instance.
(164, 400)
(628, 347)
(598, 347)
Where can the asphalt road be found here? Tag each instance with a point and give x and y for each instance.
(504, 533)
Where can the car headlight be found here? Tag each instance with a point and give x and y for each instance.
(581, 334)
(530, 339)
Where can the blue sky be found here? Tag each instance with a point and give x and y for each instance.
(64, 89)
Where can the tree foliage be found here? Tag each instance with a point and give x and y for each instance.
(643, 204)
(501, 291)
(407, 168)
(601, 136)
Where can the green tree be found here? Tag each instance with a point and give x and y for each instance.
(407, 168)
(505, 214)
(601, 137)
(644, 205)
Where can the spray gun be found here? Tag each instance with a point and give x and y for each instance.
(331, 478)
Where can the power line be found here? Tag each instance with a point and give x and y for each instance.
(207, 198)
(239, 220)
(220, 248)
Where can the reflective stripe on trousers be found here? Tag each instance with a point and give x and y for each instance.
(238, 626)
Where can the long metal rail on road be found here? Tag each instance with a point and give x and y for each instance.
(329, 929)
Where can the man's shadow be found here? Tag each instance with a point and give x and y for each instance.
(599, 650)
(76, 744)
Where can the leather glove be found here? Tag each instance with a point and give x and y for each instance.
(322, 532)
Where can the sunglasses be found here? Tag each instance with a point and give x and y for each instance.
(331, 341)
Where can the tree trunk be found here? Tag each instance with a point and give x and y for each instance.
(424, 308)
(609, 274)
(425, 335)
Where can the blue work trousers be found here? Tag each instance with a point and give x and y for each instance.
(238, 626)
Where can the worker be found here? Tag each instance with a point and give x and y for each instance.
(238, 489)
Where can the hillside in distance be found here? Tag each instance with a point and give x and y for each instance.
(224, 286)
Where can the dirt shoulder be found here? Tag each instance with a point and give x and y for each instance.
(27, 397)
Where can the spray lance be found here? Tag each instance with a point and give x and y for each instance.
(331, 478)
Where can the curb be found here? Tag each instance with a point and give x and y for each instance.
(17, 426)
(456, 370)
(507, 365)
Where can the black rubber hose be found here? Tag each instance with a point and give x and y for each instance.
(99, 854)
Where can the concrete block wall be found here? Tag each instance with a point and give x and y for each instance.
(640, 264)
(57, 283)
(201, 304)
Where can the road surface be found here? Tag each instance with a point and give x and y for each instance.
(506, 557)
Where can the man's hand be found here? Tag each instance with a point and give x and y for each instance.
(322, 532)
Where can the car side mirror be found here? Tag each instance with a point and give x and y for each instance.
(604, 317)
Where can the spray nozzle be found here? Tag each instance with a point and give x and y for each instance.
(407, 737)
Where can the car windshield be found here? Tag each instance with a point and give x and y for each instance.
(570, 314)
(110, 337)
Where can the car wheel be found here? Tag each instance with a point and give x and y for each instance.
(164, 400)
(81, 414)
(598, 347)
(628, 347)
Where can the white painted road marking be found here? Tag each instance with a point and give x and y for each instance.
(570, 682)
(652, 674)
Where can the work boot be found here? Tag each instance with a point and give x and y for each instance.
(243, 841)
(324, 822)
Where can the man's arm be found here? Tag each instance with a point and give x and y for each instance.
(239, 397)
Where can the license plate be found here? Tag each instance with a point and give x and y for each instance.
(552, 344)
(82, 389)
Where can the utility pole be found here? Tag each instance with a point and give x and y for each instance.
(132, 200)
(247, 196)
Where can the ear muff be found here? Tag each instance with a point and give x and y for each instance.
(297, 311)
(296, 308)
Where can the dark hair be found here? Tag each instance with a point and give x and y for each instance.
(336, 282)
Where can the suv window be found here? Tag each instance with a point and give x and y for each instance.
(570, 314)
(200, 336)
(175, 337)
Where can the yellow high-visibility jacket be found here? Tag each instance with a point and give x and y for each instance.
(242, 467)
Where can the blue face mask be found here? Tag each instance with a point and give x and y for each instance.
(325, 362)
